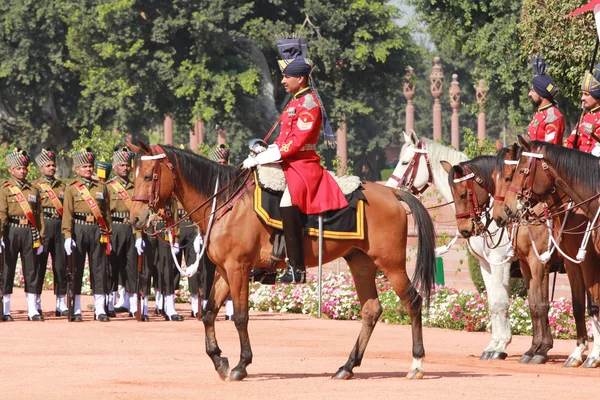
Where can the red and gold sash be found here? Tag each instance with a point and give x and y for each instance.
(53, 197)
(28, 213)
(91, 202)
(122, 192)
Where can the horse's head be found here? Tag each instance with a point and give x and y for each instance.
(532, 180)
(470, 197)
(412, 171)
(154, 183)
(507, 160)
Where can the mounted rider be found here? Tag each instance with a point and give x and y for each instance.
(310, 189)
(548, 123)
(589, 127)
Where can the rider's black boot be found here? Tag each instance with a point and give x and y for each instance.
(294, 247)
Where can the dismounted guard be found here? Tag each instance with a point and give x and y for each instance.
(548, 123)
(123, 257)
(22, 233)
(52, 193)
(583, 139)
(310, 189)
(86, 227)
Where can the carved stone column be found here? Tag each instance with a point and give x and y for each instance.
(455, 103)
(481, 92)
(409, 92)
(196, 135)
(168, 130)
(221, 136)
(436, 80)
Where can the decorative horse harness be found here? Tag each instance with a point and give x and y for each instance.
(475, 212)
(408, 178)
(526, 191)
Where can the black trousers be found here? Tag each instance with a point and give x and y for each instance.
(87, 242)
(160, 265)
(123, 258)
(208, 275)
(55, 246)
(18, 240)
(187, 234)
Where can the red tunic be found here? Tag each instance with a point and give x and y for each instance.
(312, 188)
(589, 124)
(547, 125)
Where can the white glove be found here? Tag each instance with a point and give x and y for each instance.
(1, 245)
(270, 155)
(258, 148)
(198, 242)
(109, 246)
(250, 162)
(596, 150)
(69, 244)
(175, 248)
(40, 249)
(139, 246)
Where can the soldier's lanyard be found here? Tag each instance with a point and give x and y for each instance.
(27, 211)
(115, 184)
(91, 202)
(53, 197)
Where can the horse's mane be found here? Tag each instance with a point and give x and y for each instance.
(201, 173)
(482, 166)
(577, 168)
(439, 152)
(501, 155)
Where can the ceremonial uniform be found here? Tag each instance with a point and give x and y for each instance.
(87, 223)
(547, 125)
(187, 234)
(23, 233)
(589, 124)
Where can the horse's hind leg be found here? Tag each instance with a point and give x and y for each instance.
(363, 271)
(238, 284)
(577, 284)
(218, 294)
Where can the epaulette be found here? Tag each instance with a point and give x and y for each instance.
(550, 117)
(309, 102)
(6, 183)
(72, 183)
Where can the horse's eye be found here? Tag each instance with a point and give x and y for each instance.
(148, 177)
(463, 196)
(404, 162)
(509, 178)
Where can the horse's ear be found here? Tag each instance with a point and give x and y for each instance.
(446, 165)
(406, 137)
(133, 147)
(413, 137)
(525, 141)
(145, 149)
(499, 145)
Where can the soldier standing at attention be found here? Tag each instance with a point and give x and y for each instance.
(584, 138)
(52, 193)
(22, 233)
(86, 227)
(123, 256)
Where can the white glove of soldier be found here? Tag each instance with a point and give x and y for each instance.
(198, 242)
(175, 248)
(139, 246)
(40, 249)
(69, 244)
(1, 245)
(596, 150)
(250, 162)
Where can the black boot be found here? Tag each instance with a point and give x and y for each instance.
(294, 247)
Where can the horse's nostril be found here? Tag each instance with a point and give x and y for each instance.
(465, 233)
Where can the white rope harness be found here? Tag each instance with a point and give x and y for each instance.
(441, 250)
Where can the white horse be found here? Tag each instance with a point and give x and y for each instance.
(495, 268)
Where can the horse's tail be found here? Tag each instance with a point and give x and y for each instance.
(424, 276)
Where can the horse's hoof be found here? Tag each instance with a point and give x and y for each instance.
(343, 374)
(223, 368)
(591, 362)
(573, 362)
(498, 355)
(539, 359)
(416, 374)
(525, 358)
(237, 376)
(485, 355)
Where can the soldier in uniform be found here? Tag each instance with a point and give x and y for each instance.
(583, 138)
(87, 227)
(548, 123)
(310, 189)
(102, 171)
(187, 234)
(22, 233)
(123, 257)
(52, 192)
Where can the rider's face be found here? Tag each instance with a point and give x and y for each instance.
(589, 101)
(293, 84)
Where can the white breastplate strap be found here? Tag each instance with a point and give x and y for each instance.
(534, 155)
(156, 157)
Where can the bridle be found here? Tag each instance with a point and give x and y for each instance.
(475, 212)
(408, 178)
(526, 190)
(159, 157)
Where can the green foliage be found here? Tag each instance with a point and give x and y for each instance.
(102, 143)
(475, 272)
(474, 147)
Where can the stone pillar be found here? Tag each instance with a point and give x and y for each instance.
(409, 92)
(168, 129)
(221, 136)
(199, 129)
(196, 135)
(481, 92)
(436, 80)
(455, 103)
(342, 147)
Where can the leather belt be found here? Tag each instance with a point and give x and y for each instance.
(309, 147)
(84, 219)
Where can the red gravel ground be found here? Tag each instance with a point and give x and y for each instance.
(294, 357)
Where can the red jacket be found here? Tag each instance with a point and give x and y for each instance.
(547, 125)
(312, 188)
(589, 124)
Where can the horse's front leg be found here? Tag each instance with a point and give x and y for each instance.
(539, 307)
(238, 283)
(496, 278)
(218, 294)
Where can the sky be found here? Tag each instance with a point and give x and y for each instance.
(408, 17)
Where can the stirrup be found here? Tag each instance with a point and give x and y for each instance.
(293, 275)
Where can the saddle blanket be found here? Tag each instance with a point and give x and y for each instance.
(347, 223)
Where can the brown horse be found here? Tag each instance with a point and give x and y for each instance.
(239, 242)
(543, 169)
(531, 241)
